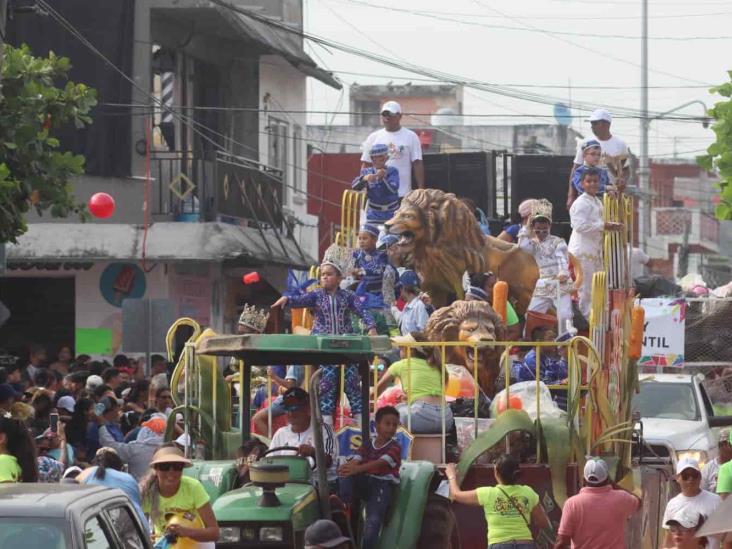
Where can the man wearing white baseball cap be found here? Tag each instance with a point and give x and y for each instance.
(405, 149)
(596, 517)
(611, 147)
(692, 498)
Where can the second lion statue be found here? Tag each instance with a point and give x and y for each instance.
(439, 237)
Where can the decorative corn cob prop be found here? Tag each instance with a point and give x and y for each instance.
(352, 203)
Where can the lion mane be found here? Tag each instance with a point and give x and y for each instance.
(444, 325)
(447, 242)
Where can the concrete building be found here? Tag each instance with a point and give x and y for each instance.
(422, 101)
(207, 171)
(685, 235)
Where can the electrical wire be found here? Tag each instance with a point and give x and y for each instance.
(604, 54)
(446, 77)
(541, 17)
(671, 117)
(595, 35)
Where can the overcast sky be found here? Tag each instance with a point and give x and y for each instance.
(475, 47)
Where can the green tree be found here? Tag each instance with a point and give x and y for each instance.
(37, 98)
(719, 153)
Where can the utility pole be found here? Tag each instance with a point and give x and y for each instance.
(644, 219)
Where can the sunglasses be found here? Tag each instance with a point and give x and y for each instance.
(690, 475)
(387, 114)
(177, 467)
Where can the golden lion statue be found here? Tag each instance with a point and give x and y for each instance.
(439, 237)
(474, 322)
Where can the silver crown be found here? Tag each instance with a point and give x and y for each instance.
(254, 318)
(542, 208)
(339, 257)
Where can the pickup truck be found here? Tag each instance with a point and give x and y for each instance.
(63, 516)
(677, 418)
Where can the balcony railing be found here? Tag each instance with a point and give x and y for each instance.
(191, 188)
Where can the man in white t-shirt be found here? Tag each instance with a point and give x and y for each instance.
(298, 433)
(692, 498)
(405, 149)
(639, 260)
(610, 145)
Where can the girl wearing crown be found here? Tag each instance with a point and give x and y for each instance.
(554, 286)
(332, 308)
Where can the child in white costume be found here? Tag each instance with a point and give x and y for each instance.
(554, 287)
(586, 243)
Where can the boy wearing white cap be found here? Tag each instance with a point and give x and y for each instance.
(691, 499)
(596, 517)
(405, 149)
(614, 152)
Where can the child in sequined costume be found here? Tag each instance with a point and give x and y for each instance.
(382, 186)
(377, 278)
(332, 308)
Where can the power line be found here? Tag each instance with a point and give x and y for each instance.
(673, 118)
(534, 29)
(446, 77)
(542, 86)
(582, 46)
(542, 17)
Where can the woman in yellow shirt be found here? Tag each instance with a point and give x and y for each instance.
(509, 508)
(421, 381)
(167, 494)
(17, 451)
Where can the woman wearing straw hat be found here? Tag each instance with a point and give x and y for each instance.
(178, 506)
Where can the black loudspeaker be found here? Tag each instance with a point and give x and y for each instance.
(467, 175)
(539, 176)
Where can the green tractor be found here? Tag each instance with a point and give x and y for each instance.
(286, 495)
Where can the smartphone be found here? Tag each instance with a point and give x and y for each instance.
(54, 422)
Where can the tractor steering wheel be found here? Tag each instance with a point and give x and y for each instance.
(285, 449)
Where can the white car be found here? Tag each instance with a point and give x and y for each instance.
(677, 418)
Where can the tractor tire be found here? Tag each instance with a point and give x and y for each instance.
(439, 526)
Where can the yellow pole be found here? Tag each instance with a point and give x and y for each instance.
(442, 400)
(475, 383)
(409, 388)
(269, 408)
(342, 390)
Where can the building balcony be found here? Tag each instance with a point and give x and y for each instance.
(188, 187)
(675, 227)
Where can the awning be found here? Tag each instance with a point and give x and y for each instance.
(279, 41)
(168, 241)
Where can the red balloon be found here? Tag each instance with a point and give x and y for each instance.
(251, 278)
(101, 205)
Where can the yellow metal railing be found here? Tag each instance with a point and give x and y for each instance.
(577, 362)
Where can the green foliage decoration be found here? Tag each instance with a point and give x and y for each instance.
(719, 153)
(37, 98)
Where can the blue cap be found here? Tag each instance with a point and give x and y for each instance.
(477, 293)
(591, 144)
(379, 149)
(371, 229)
(409, 278)
(387, 241)
(7, 392)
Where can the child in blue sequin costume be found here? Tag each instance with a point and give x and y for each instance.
(382, 186)
(377, 278)
(332, 308)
